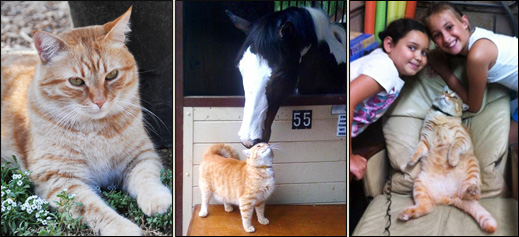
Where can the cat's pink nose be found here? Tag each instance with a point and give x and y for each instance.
(99, 101)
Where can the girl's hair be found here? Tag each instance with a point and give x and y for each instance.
(399, 29)
(441, 7)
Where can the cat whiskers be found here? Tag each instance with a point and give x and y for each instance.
(65, 116)
(275, 146)
(147, 124)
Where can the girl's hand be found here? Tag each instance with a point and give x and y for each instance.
(438, 61)
(358, 166)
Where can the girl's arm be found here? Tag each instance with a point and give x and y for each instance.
(361, 88)
(438, 61)
(481, 57)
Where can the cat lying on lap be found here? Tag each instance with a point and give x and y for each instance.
(73, 117)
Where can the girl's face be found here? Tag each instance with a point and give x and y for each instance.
(450, 34)
(410, 53)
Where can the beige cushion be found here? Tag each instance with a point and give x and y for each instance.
(443, 220)
(489, 130)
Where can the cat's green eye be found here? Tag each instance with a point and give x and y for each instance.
(76, 81)
(112, 75)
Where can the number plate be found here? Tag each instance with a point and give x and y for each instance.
(301, 119)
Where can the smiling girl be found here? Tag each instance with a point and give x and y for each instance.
(491, 58)
(375, 79)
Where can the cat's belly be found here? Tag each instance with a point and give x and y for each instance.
(440, 186)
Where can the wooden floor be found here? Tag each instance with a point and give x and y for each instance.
(295, 220)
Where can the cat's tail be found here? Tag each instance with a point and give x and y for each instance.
(222, 150)
(482, 216)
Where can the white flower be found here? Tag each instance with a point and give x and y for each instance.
(8, 191)
(8, 208)
(112, 187)
(19, 183)
(3, 208)
(49, 218)
(29, 210)
(44, 222)
(3, 193)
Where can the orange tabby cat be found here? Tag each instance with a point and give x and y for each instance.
(450, 170)
(244, 183)
(73, 117)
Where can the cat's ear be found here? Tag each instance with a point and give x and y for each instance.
(118, 28)
(47, 45)
(464, 107)
(246, 152)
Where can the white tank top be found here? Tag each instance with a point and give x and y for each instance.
(504, 70)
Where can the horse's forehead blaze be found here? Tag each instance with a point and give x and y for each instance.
(255, 75)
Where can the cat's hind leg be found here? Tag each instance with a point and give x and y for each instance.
(227, 207)
(206, 197)
(423, 203)
(480, 214)
(260, 212)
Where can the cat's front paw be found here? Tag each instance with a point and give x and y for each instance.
(249, 229)
(263, 221)
(202, 213)
(453, 160)
(414, 159)
(155, 201)
(228, 208)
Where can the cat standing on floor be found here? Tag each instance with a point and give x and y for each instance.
(72, 116)
(244, 183)
(450, 172)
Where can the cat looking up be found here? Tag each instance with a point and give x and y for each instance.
(244, 183)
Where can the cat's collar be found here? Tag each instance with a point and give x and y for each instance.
(264, 166)
(439, 110)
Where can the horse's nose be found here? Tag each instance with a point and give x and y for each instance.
(250, 144)
(247, 145)
(256, 141)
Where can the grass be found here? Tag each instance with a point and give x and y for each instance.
(25, 214)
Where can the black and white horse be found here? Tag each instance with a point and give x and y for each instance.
(281, 49)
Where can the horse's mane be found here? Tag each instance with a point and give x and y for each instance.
(264, 34)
